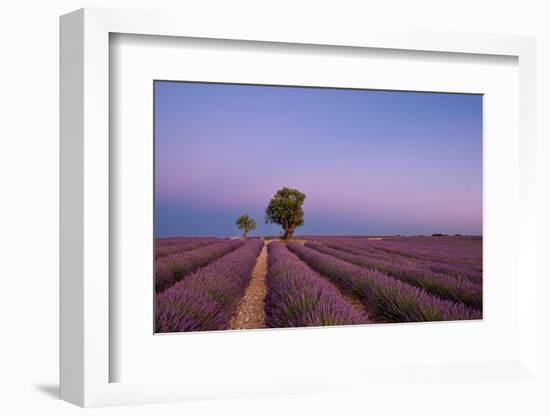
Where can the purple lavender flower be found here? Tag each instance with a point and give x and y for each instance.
(298, 297)
(457, 289)
(206, 298)
(164, 248)
(391, 299)
(172, 268)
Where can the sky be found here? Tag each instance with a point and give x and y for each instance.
(370, 162)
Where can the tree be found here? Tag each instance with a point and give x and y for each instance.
(246, 224)
(285, 209)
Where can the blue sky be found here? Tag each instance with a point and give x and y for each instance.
(369, 162)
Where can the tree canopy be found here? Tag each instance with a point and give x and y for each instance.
(285, 209)
(246, 224)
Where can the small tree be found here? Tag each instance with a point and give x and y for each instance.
(285, 209)
(246, 224)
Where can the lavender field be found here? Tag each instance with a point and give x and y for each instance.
(205, 284)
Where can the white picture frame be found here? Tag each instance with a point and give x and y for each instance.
(86, 356)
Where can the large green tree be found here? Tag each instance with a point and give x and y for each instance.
(246, 224)
(285, 209)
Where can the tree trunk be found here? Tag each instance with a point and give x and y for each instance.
(289, 232)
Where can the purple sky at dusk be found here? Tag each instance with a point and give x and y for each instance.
(369, 162)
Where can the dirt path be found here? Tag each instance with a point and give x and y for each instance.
(354, 302)
(250, 311)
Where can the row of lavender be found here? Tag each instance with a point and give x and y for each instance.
(298, 297)
(172, 268)
(170, 241)
(205, 299)
(454, 255)
(165, 247)
(385, 297)
(456, 288)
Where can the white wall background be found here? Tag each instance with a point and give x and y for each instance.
(29, 205)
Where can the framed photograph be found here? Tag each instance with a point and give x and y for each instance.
(257, 211)
(329, 171)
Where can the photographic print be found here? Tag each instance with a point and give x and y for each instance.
(289, 206)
